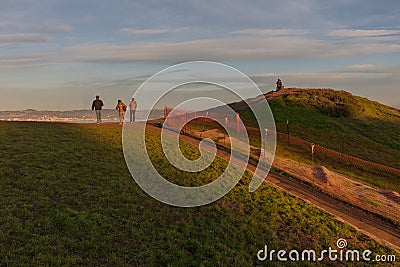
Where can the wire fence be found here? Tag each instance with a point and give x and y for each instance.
(206, 120)
(203, 119)
(323, 153)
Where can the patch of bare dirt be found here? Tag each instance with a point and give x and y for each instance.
(376, 200)
(213, 134)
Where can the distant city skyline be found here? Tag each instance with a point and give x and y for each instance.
(57, 55)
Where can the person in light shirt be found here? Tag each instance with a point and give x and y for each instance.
(132, 107)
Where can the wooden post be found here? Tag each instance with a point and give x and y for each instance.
(226, 126)
(312, 152)
(342, 142)
(237, 122)
(265, 144)
(287, 129)
(204, 124)
(186, 118)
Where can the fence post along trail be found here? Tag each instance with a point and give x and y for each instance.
(202, 119)
(320, 153)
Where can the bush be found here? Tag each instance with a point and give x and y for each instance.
(327, 101)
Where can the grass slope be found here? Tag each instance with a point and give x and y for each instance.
(339, 121)
(68, 199)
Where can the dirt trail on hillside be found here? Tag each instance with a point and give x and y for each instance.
(368, 223)
(376, 200)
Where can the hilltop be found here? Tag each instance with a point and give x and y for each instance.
(335, 103)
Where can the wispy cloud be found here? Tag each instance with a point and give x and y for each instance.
(224, 49)
(370, 69)
(270, 32)
(51, 27)
(23, 38)
(362, 33)
(35, 26)
(151, 31)
(24, 62)
(362, 68)
(239, 48)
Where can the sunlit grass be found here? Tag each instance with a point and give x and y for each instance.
(67, 198)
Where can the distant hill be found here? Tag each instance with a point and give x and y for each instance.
(335, 103)
(82, 115)
(50, 115)
(337, 120)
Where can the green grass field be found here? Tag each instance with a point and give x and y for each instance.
(67, 198)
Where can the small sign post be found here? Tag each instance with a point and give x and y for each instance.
(312, 152)
(287, 129)
(226, 127)
(265, 145)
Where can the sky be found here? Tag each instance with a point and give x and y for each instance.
(59, 54)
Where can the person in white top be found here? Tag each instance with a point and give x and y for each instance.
(132, 107)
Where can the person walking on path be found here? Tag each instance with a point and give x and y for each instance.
(278, 85)
(121, 107)
(132, 108)
(97, 105)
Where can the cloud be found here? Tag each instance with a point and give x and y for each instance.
(23, 38)
(370, 69)
(27, 62)
(238, 48)
(51, 28)
(362, 33)
(362, 67)
(35, 26)
(151, 31)
(270, 32)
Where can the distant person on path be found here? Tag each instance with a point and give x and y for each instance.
(278, 85)
(132, 107)
(97, 105)
(121, 107)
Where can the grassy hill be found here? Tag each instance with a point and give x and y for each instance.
(337, 120)
(67, 198)
(340, 121)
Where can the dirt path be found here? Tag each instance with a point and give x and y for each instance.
(373, 199)
(372, 225)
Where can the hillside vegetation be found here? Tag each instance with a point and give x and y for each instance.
(67, 198)
(337, 120)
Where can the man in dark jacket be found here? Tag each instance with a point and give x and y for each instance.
(278, 85)
(97, 106)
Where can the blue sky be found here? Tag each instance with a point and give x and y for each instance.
(58, 54)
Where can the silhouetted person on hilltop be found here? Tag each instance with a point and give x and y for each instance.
(278, 85)
(121, 107)
(132, 107)
(97, 105)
